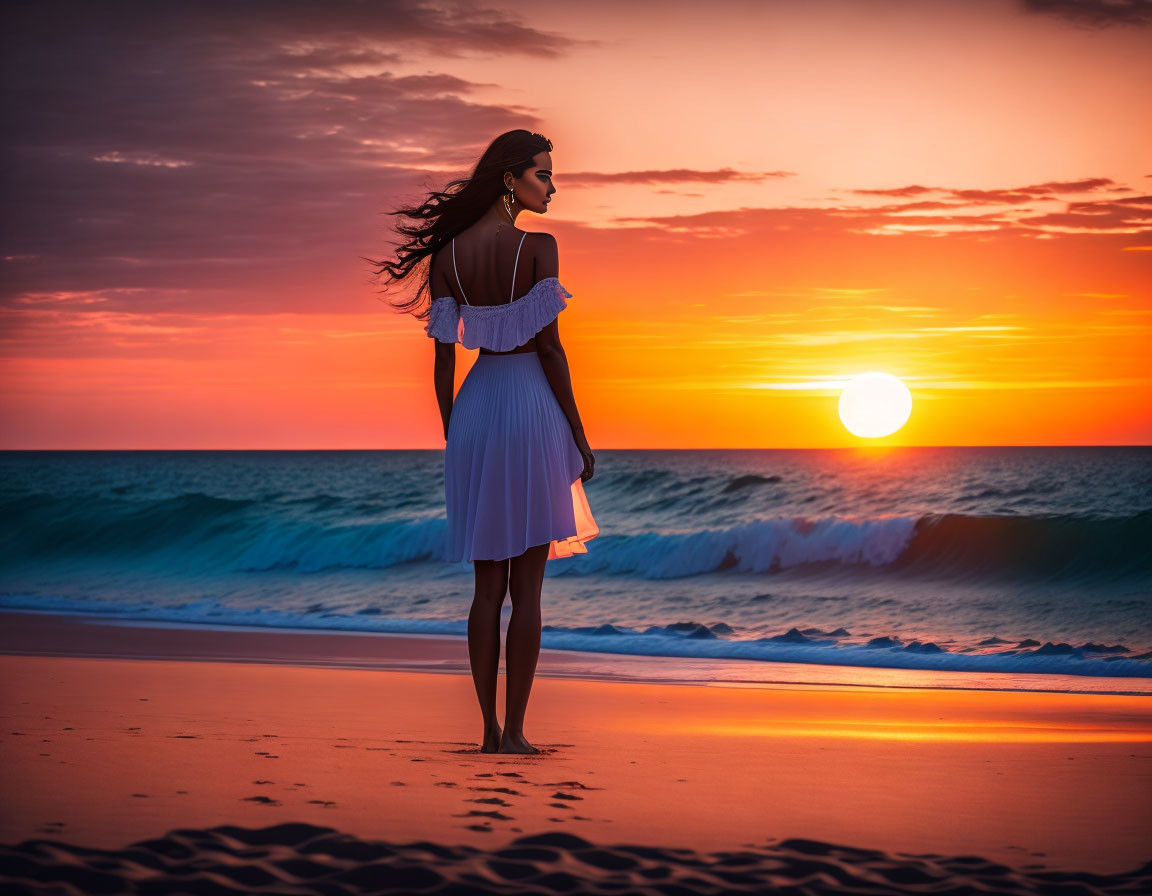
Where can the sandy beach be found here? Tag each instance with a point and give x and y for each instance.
(106, 750)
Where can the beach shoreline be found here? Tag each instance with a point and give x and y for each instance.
(55, 633)
(124, 749)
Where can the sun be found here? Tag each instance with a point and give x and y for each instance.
(874, 404)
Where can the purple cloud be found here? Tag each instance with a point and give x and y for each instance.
(1095, 13)
(216, 146)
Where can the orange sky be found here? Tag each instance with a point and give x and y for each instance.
(754, 202)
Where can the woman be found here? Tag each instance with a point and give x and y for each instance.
(515, 457)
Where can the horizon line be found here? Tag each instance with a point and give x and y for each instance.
(713, 448)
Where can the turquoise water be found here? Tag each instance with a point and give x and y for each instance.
(1018, 560)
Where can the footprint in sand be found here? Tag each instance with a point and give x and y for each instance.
(571, 785)
(499, 816)
(266, 800)
(325, 803)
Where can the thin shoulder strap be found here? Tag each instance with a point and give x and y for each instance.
(457, 270)
(516, 265)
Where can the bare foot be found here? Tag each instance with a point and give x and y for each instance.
(491, 742)
(516, 743)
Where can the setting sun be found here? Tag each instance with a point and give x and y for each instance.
(874, 404)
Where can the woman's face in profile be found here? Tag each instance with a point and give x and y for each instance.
(535, 187)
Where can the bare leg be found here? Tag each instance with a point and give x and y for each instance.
(484, 642)
(523, 648)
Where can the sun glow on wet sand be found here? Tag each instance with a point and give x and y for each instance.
(968, 731)
(874, 404)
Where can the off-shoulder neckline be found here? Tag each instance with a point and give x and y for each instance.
(502, 304)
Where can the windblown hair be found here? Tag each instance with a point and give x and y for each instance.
(447, 212)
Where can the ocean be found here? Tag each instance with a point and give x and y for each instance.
(1018, 568)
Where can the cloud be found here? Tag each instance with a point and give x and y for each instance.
(1131, 216)
(668, 176)
(1094, 13)
(352, 27)
(1126, 217)
(217, 145)
(919, 383)
(238, 157)
(1009, 196)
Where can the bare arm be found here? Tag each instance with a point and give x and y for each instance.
(444, 371)
(555, 364)
(550, 350)
(444, 378)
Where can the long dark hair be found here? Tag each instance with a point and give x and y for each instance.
(461, 204)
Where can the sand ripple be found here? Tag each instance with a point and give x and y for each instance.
(303, 858)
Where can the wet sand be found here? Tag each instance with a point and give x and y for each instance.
(103, 752)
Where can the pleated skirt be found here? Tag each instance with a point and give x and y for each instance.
(511, 466)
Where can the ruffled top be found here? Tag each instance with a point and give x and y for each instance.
(498, 328)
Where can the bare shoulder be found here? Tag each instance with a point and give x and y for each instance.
(546, 253)
(543, 242)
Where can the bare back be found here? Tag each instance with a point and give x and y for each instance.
(493, 268)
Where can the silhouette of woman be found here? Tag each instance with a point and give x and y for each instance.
(516, 456)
